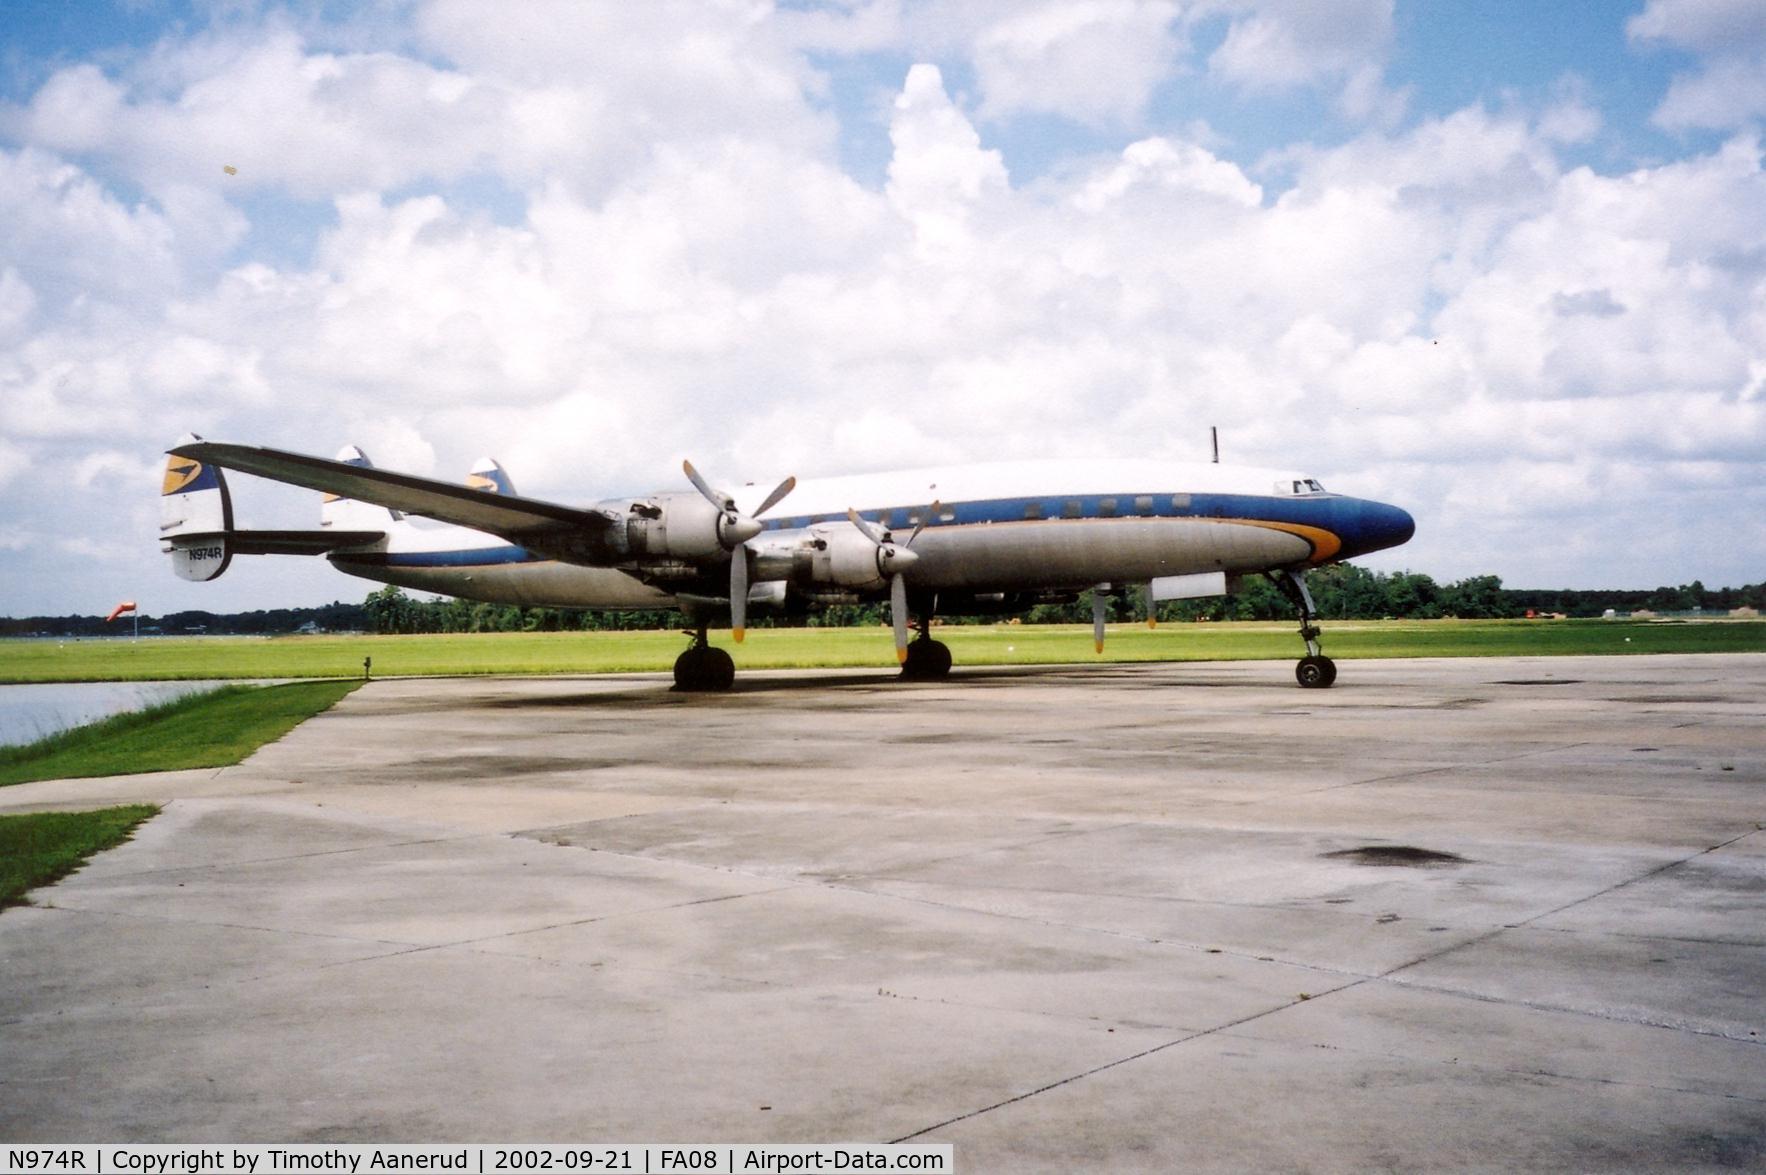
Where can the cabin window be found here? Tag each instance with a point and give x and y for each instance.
(1106, 507)
(1143, 504)
(1180, 501)
(947, 516)
(1033, 510)
(1070, 508)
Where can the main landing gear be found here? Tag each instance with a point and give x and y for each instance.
(702, 668)
(1315, 670)
(927, 659)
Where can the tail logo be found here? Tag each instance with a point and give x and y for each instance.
(183, 476)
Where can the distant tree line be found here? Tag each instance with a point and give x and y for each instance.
(1342, 592)
(333, 617)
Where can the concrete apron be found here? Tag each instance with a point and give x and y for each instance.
(1072, 916)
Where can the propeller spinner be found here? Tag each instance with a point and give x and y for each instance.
(734, 529)
(892, 561)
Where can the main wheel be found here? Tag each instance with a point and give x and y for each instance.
(719, 669)
(690, 669)
(1315, 672)
(928, 660)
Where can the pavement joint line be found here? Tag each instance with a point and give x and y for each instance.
(1455, 1062)
(1142, 1054)
(1110, 932)
(1028, 842)
(136, 916)
(1658, 870)
(1423, 771)
(846, 888)
(1542, 1006)
(419, 948)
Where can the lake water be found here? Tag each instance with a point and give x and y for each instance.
(29, 712)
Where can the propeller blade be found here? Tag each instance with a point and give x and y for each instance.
(776, 496)
(721, 501)
(1099, 603)
(925, 517)
(870, 530)
(1152, 608)
(898, 615)
(739, 593)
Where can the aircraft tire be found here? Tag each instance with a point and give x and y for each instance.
(928, 660)
(1315, 672)
(704, 669)
(720, 670)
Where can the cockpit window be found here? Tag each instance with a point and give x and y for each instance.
(1300, 485)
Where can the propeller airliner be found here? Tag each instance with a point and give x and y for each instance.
(987, 539)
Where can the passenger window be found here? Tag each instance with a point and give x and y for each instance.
(1143, 504)
(1070, 509)
(1180, 501)
(1106, 507)
(1033, 510)
(947, 516)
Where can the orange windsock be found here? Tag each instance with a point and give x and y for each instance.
(125, 606)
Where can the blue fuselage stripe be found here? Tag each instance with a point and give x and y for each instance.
(1359, 525)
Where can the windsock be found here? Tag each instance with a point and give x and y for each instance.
(125, 606)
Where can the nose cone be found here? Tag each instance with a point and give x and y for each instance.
(1374, 526)
(738, 529)
(895, 560)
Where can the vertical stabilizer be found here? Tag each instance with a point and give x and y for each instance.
(348, 514)
(489, 476)
(195, 514)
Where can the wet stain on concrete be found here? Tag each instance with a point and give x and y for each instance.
(1388, 855)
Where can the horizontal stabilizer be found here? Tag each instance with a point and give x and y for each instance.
(507, 515)
(283, 542)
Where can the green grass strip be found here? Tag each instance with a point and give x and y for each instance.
(41, 847)
(214, 729)
(171, 658)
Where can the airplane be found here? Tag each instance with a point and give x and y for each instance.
(983, 539)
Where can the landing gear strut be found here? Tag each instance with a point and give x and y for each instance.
(1315, 670)
(927, 659)
(703, 669)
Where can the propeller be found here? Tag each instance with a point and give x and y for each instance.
(892, 560)
(734, 529)
(1100, 604)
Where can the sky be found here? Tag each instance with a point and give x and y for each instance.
(1502, 263)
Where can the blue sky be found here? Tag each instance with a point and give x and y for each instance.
(1501, 263)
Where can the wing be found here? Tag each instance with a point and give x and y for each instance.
(528, 521)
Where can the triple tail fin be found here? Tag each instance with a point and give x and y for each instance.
(489, 476)
(195, 515)
(348, 514)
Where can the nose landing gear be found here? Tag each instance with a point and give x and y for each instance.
(1315, 670)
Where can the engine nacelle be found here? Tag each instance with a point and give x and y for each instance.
(846, 558)
(675, 526)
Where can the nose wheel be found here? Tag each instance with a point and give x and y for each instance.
(1315, 670)
(704, 669)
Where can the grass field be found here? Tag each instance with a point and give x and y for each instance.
(42, 847)
(158, 659)
(214, 729)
